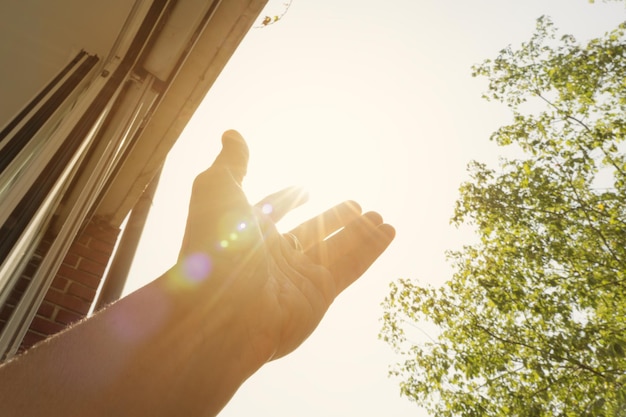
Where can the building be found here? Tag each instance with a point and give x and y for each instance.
(94, 95)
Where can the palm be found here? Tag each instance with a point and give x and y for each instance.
(281, 285)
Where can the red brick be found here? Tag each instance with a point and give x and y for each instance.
(71, 259)
(67, 317)
(69, 302)
(72, 292)
(91, 267)
(14, 298)
(43, 247)
(30, 339)
(101, 246)
(83, 239)
(46, 310)
(43, 326)
(6, 312)
(22, 283)
(82, 291)
(31, 269)
(60, 283)
(102, 232)
(72, 274)
(88, 253)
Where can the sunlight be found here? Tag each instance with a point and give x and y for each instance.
(328, 178)
(337, 161)
(352, 100)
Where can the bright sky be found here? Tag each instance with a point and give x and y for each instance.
(364, 100)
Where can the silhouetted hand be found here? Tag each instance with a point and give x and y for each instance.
(273, 287)
(240, 295)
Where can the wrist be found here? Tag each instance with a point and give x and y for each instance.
(211, 334)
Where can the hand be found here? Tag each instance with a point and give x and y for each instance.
(276, 288)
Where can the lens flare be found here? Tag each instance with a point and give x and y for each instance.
(197, 267)
(267, 208)
(236, 232)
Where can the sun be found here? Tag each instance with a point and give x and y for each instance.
(331, 169)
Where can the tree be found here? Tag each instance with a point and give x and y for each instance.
(275, 17)
(533, 320)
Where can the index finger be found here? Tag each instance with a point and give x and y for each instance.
(277, 205)
(314, 230)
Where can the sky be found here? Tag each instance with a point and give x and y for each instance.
(365, 100)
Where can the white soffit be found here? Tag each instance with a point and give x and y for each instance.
(38, 38)
(174, 38)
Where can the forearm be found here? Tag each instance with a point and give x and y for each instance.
(162, 351)
(183, 346)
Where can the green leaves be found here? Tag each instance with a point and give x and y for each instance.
(533, 321)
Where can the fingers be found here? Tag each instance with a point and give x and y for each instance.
(318, 228)
(354, 264)
(350, 252)
(276, 205)
(233, 156)
(327, 252)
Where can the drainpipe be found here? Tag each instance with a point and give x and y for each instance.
(117, 274)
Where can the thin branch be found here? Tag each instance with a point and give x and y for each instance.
(557, 357)
(267, 20)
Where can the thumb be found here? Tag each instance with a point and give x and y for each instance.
(217, 200)
(234, 155)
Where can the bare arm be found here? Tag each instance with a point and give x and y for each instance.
(240, 295)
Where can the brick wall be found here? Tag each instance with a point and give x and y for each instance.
(74, 288)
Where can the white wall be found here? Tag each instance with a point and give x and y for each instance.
(39, 37)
